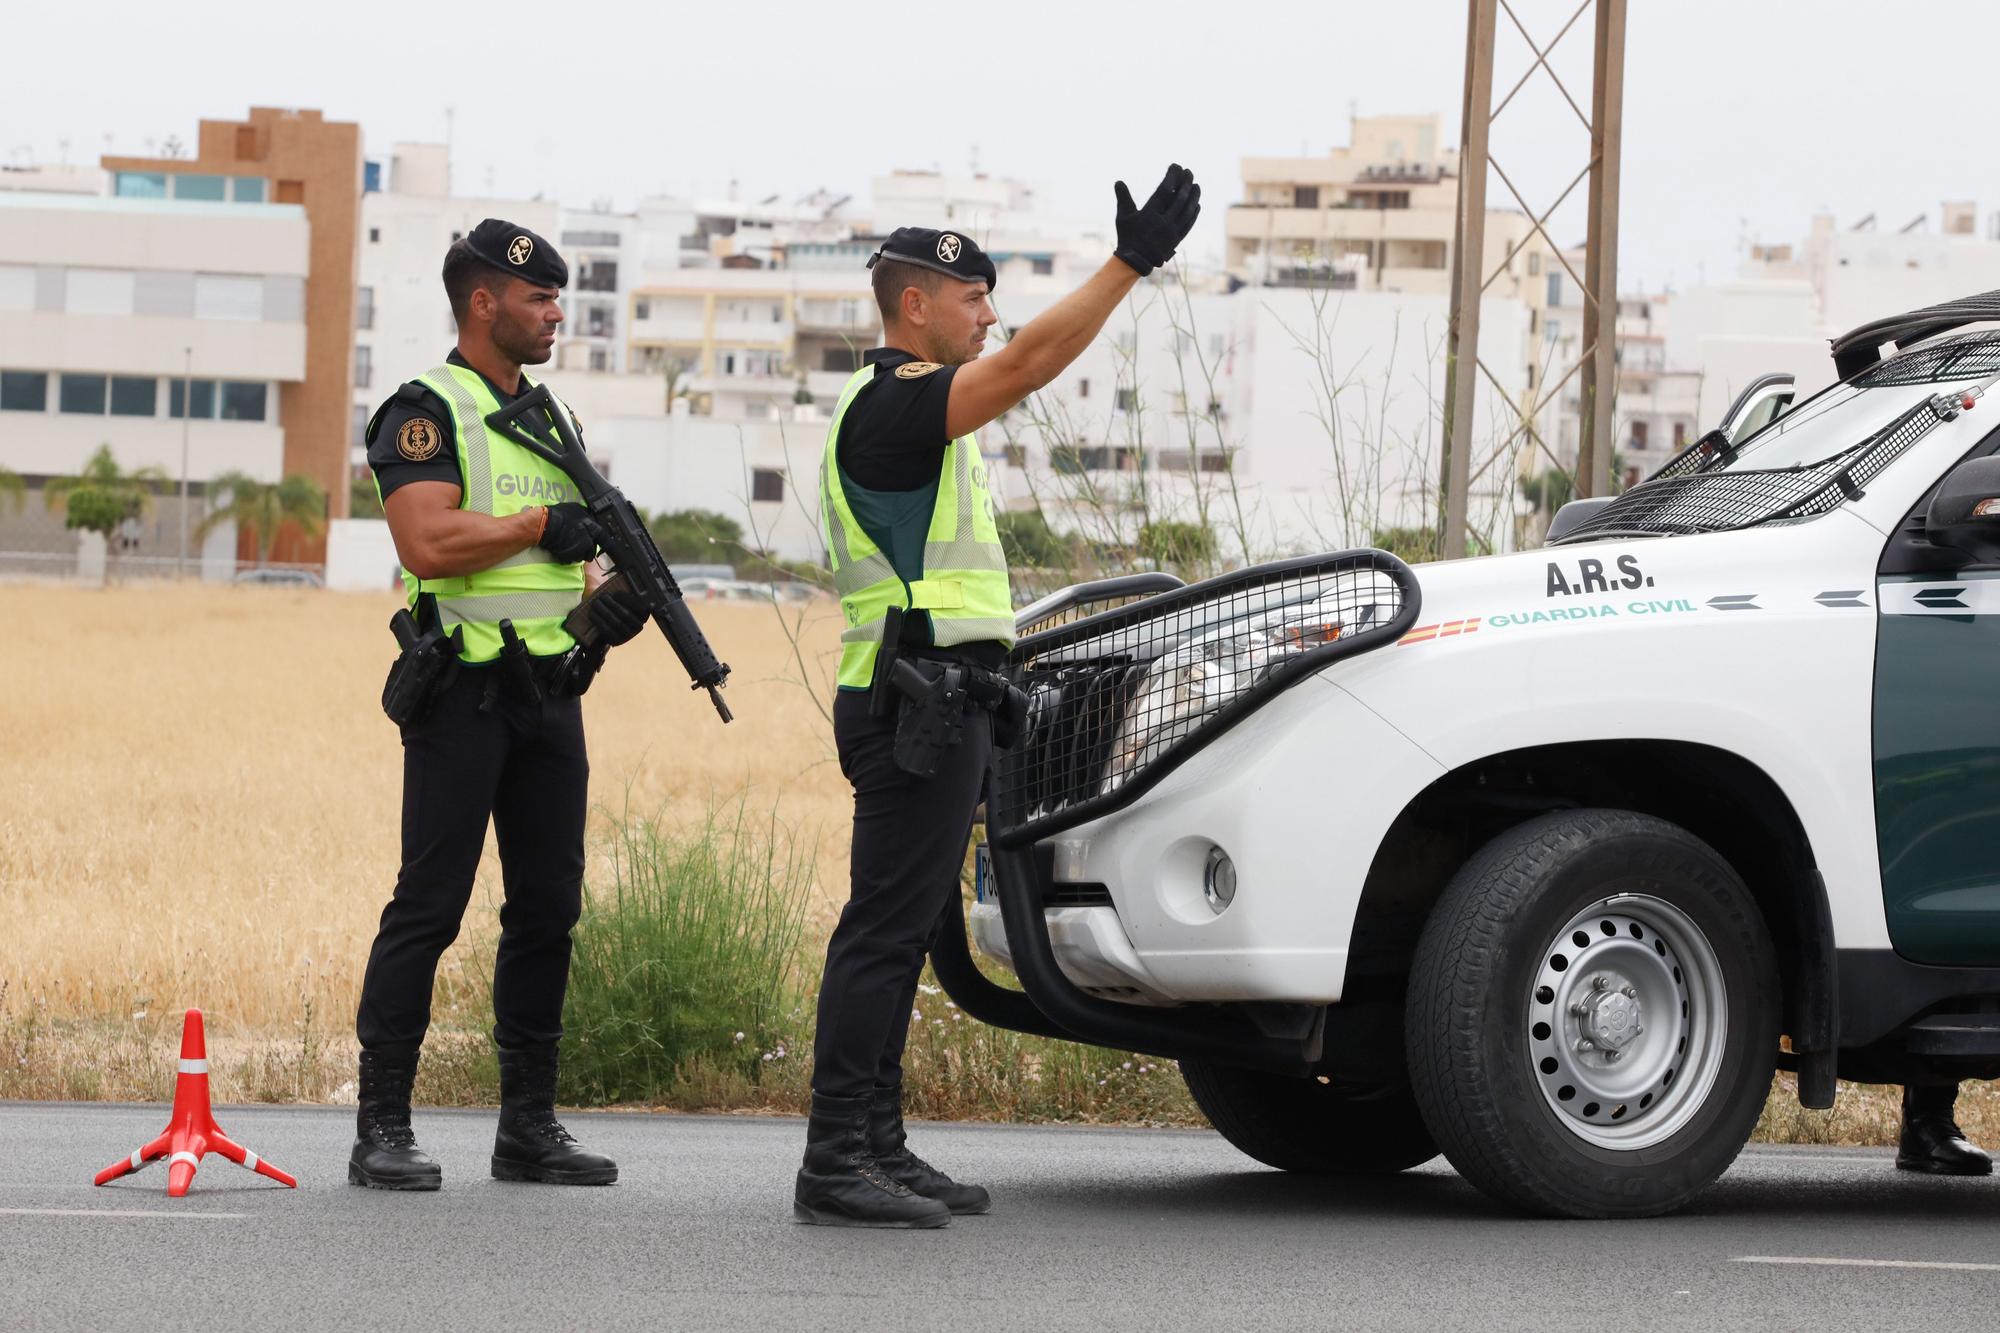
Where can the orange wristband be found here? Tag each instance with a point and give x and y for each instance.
(542, 531)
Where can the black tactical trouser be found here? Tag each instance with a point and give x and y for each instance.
(524, 766)
(910, 835)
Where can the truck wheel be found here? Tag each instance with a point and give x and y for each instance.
(1314, 1128)
(1592, 1019)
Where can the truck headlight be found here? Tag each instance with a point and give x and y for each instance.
(1184, 686)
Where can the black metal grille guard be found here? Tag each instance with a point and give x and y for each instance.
(1681, 499)
(1083, 678)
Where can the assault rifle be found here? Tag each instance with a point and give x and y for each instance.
(639, 564)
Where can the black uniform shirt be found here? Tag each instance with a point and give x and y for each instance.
(414, 441)
(893, 436)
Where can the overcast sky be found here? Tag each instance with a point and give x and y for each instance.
(1741, 119)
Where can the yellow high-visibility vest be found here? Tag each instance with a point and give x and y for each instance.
(963, 583)
(499, 477)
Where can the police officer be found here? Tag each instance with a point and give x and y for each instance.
(913, 544)
(1931, 1141)
(494, 551)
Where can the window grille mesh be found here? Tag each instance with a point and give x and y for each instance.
(1719, 501)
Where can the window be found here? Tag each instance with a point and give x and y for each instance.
(203, 393)
(1124, 400)
(767, 484)
(599, 359)
(134, 397)
(358, 425)
(24, 391)
(242, 401)
(141, 185)
(364, 307)
(17, 287)
(364, 367)
(375, 235)
(1638, 435)
(1555, 289)
(642, 310)
(599, 275)
(98, 291)
(1083, 388)
(248, 189)
(1534, 263)
(1680, 434)
(1017, 455)
(1043, 266)
(83, 394)
(228, 296)
(208, 189)
(1305, 196)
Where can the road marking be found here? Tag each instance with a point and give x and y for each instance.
(1865, 1263)
(115, 1212)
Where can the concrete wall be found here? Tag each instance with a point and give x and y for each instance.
(361, 556)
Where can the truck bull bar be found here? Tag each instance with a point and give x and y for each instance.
(1103, 731)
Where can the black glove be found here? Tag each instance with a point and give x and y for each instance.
(616, 614)
(1147, 237)
(571, 535)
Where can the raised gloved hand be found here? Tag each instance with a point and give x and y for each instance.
(1148, 236)
(571, 535)
(616, 614)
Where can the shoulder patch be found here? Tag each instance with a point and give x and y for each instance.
(419, 439)
(916, 370)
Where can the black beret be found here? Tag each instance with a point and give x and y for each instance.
(516, 250)
(951, 253)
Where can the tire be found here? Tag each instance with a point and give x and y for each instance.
(1309, 1127)
(1519, 1038)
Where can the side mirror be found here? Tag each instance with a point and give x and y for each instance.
(1573, 515)
(1965, 513)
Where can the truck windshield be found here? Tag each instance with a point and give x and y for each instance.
(1831, 422)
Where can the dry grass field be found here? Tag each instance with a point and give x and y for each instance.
(199, 806)
(199, 801)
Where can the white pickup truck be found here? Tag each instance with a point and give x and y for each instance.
(1544, 860)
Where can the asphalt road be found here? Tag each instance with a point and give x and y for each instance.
(1091, 1228)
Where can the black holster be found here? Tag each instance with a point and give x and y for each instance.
(514, 674)
(932, 695)
(574, 671)
(423, 670)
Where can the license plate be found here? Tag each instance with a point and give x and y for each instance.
(982, 874)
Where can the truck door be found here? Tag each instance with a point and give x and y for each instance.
(1937, 748)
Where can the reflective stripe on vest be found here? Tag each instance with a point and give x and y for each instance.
(499, 477)
(964, 585)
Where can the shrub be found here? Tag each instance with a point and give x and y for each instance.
(685, 963)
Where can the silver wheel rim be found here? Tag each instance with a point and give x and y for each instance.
(1627, 1022)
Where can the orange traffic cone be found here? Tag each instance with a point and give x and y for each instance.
(192, 1133)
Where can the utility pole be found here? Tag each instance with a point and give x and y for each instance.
(1470, 277)
(187, 413)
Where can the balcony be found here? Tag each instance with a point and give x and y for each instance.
(682, 330)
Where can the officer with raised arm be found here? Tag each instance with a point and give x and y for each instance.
(923, 587)
(494, 550)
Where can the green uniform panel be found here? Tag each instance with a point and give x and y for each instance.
(1937, 772)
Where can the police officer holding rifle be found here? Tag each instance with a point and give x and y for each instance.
(923, 587)
(494, 540)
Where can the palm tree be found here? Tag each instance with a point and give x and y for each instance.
(263, 507)
(103, 497)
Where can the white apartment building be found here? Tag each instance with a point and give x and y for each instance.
(153, 326)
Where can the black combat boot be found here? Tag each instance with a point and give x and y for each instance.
(842, 1185)
(386, 1156)
(886, 1144)
(532, 1144)
(1932, 1142)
